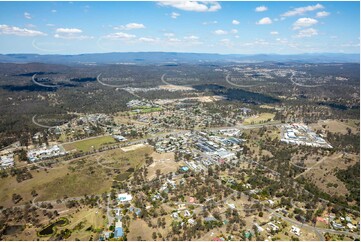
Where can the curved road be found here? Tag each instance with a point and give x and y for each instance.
(41, 84)
(237, 85)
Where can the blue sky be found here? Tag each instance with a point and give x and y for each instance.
(188, 26)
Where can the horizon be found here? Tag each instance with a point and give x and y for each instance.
(169, 52)
(244, 28)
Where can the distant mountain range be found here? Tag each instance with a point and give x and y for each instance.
(176, 58)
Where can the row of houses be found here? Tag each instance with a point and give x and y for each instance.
(6, 161)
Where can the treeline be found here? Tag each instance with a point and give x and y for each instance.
(351, 178)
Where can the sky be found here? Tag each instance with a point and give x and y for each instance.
(187, 26)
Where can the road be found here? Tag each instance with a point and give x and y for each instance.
(301, 85)
(317, 231)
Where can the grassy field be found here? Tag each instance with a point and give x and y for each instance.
(146, 110)
(84, 176)
(323, 174)
(81, 222)
(89, 144)
(336, 126)
(263, 117)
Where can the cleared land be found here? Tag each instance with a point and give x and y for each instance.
(336, 126)
(84, 176)
(176, 88)
(89, 144)
(132, 147)
(146, 110)
(261, 118)
(163, 162)
(322, 173)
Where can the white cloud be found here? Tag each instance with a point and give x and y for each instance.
(304, 22)
(70, 33)
(146, 39)
(120, 36)
(274, 33)
(220, 32)
(13, 30)
(31, 26)
(27, 15)
(302, 10)
(210, 22)
(322, 14)
(265, 20)
(54, 11)
(72, 36)
(191, 37)
(174, 40)
(169, 34)
(174, 15)
(307, 33)
(235, 22)
(130, 26)
(234, 31)
(68, 30)
(261, 9)
(193, 5)
(50, 25)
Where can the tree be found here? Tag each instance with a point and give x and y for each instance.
(154, 236)
(157, 172)
(34, 193)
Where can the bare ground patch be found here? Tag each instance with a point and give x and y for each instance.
(163, 162)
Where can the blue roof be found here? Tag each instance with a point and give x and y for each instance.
(138, 211)
(118, 232)
(184, 168)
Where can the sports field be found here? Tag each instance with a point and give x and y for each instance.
(89, 144)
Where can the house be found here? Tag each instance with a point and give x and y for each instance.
(124, 197)
(187, 213)
(322, 220)
(248, 234)
(231, 206)
(184, 168)
(119, 138)
(337, 225)
(210, 219)
(273, 226)
(285, 213)
(351, 226)
(137, 211)
(331, 216)
(270, 202)
(181, 206)
(175, 215)
(191, 221)
(259, 228)
(295, 230)
(156, 197)
(106, 234)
